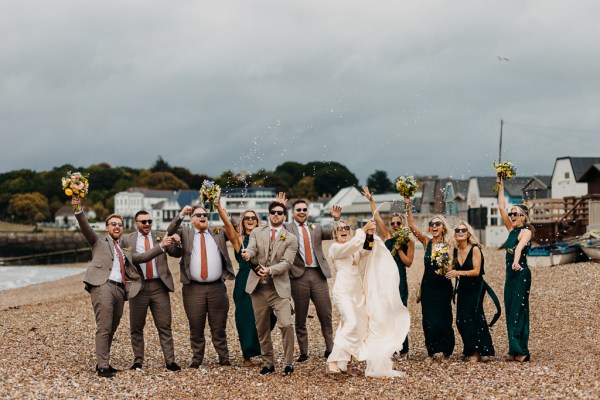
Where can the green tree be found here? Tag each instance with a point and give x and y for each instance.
(29, 207)
(304, 189)
(291, 172)
(229, 179)
(331, 177)
(162, 181)
(378, 182)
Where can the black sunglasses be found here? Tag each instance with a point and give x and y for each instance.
(115, 224)
(252, 218)
(343, 228)
(301, 209)
(463, 230)
(396, 223)
(200, 215)
(514, 214)
(146, 222)
(273, 212)
(435, 223)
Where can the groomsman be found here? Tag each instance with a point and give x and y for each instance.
(157, 284)
(309, 274)
(111, 278)
(205, 265)
(272, 248)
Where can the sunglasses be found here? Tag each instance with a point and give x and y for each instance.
(252, 218)
(463, 230)
(200, 215)
(514, 214)
(435, 223)
(119, 224)
(343, 228)
(396, 223)
(273, 212)
(146, 222)
(301, 209)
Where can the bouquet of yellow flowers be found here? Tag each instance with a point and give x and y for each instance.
(407, 186)
(75, 184)
(209, 193)
(440, 255)
(505, 170)
(402, 236)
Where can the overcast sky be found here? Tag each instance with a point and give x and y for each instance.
(408, 87)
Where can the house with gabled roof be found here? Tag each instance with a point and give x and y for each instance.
(567, 176)
(538, 187)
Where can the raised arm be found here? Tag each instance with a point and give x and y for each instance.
(384, 232)
(502, 204)
(232, 235)
(84, 226)
(411, 223)
(176, 223)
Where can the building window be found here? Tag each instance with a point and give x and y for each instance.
(567, 175)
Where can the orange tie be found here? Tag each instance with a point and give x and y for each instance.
(273, 234)
(203, 260)
(307, 249)
(149, 274)
(121, 261)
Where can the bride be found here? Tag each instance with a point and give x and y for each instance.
(374, 322)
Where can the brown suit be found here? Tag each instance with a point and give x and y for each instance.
(274, 293)
(108, 298)
(310, 283)
(202, 300)
(154, 295)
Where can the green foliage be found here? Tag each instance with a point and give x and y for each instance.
(29, 207)
(378, 182)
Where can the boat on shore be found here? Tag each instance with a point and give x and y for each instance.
(554, 254)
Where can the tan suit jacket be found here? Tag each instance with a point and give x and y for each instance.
(317, 235)
(130, 240)
(279, 260)
(103, 251)
(185, 252)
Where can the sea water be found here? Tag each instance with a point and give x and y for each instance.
(16, 277)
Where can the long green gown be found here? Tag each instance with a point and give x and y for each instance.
(470, 318)
(516, 296)
(436, 297)
(403, 283)
(244, 313)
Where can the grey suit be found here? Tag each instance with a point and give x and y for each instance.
(108, 298)
(202, 300)
(272, 293)
(310, 283)
(154, 295)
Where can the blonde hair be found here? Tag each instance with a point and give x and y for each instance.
(444, 224)
(472, 239)
(523, 209)
(240, 227)
(334, 232)
(398, 215)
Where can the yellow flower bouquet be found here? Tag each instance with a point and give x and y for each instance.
(402, 236)
(505, 170)
(75, 184)
(440, 255)
(209, 193)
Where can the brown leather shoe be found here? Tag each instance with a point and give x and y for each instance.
(248, 363)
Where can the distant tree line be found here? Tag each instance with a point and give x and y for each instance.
(30, 196)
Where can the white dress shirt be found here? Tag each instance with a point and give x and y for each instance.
(301, 248)
(140, 247)
(213, 255)
(115, 271)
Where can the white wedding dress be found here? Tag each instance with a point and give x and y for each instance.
(374, 322)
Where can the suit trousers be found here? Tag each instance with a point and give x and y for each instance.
(312, 285)
(154, 295)
(199, 301)
(265, 299)
(108, 300)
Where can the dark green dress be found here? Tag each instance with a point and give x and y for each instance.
(403, 283)
(516, 296)
(436, 297)
(470, 318)
(244, 313)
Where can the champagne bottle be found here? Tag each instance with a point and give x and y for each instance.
(255, 266)
(369, 240)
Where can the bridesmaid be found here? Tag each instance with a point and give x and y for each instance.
(244, 313)
(436, 290)
(470, 318)
(403, 256)
(518, 276)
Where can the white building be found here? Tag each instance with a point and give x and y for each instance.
(65, 218)
(566, 176)
(155, 202)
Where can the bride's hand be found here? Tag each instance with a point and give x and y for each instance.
(369, 227)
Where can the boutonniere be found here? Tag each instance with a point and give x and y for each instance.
(159, 239)
(283, 236)
(311, 226)
(216, 231)
(127, 249)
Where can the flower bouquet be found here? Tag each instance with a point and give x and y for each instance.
(75, 184)
(402, 236)
(407, 186)
(505, 170)
(209, 193)
(440, 255)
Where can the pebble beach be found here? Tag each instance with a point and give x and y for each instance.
(47, 350)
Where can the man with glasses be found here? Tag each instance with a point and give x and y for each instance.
(309, 274)
(273, 249)
(157, 283)
(204, 265)
(111, 278)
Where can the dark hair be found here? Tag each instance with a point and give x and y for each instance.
(300, 201)
(194, 208)
(141, 212)
(274, 204)
(111, 216)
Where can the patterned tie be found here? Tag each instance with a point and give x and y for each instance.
(121, 260)
(307, 249)
(149, 273)
(273, 234)
(203, 260)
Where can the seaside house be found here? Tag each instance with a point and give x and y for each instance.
(65, 218)
(538, 187)
(567, 174)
